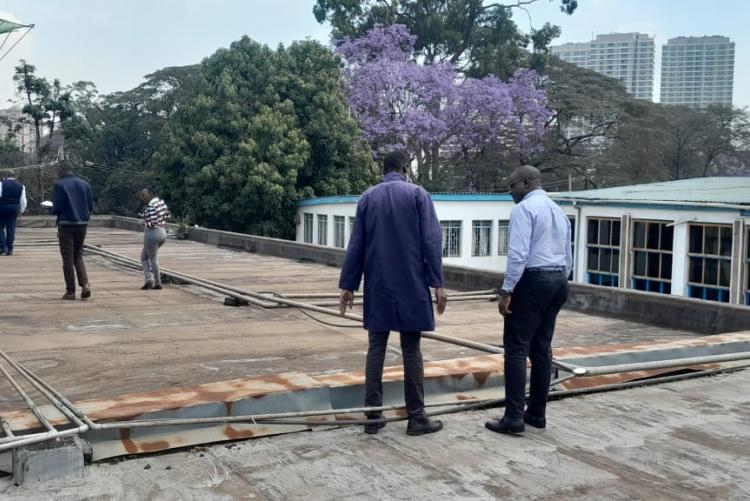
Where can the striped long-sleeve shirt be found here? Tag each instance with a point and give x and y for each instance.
(156, 213)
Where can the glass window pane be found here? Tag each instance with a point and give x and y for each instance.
(605, 264)
(639, 263)
(726, 241)
(639, 235)
(605, 227)
(616, 233)
(593, 258)
(615, 261)
(725, 273)
(667, 237)
(696, 270)
(653, 264)
(696, 239)
(653, 236)
(711, 276)
(711, 240)
(666, 266)
(592, 234)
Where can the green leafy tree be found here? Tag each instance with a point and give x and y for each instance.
(263, 128)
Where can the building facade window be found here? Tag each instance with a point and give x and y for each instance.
(603, 251)
(747, 267)
(502, 237)
(652, 256)
(339, 231)
(351, 226)
(709, 261)
(481, 232)
(308, 228)
(322, 229)
(451, 233)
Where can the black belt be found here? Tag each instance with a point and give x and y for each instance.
(549, 269)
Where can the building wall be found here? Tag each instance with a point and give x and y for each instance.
(697, 71)
(468, 210)
(628, 57)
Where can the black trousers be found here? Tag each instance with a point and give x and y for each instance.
(528, 331)
(8, 217)
(413, 372)
(71, 238)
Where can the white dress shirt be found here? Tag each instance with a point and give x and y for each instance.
(539, 237)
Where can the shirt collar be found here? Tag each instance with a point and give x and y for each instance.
(533, 193)
(394, 176)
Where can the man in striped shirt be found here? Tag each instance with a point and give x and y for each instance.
(154, 218)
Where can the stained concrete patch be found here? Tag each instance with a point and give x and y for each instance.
(644, 443)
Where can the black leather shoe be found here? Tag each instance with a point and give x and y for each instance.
(373, 428)
(422, 426)
(502, 425)
(85, 292)
(156, 287)
(536, 422)
(147, 286)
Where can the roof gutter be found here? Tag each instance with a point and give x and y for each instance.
(652, 202)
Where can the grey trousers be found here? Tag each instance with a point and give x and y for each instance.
(153, 238)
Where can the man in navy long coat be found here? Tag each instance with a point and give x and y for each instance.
(396, 244)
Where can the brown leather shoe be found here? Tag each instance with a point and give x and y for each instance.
(69, 296)
(85, 292)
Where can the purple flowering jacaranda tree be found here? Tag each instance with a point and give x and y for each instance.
(433, 109)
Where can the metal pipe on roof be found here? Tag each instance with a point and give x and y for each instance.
(6, 428)
(660, 364)
(29, 402)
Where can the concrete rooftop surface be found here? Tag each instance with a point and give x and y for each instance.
(124, 340)
(676, 441)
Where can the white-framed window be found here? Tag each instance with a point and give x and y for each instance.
(308, 228)
(652, 256)
(709, 261)
(351, 226)
(481, 232)
(572, 220)
(322, 229)
(603, 251)
(339, 231)
(451, 233)
(503, 235)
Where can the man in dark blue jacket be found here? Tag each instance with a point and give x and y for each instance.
(12, 204)
(73, 204)
(396, 244)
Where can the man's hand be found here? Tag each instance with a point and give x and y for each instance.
(345, 299)
(504, 306)
(441, 299)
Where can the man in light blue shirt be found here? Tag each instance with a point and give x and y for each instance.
(534, 290)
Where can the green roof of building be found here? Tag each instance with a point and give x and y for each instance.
(703, 190)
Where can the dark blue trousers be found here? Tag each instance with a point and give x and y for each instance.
(8, 217)
(528, 331)
(413, 372)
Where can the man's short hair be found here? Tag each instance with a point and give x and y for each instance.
(6, 173)
(64, 168)
(395, 161)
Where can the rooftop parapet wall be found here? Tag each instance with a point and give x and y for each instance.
(706, 317)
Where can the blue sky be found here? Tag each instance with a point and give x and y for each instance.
(115, 42)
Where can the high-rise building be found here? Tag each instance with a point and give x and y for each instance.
(697, 71)
(628, 57)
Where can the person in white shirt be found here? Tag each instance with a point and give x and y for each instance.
(12, 204)
(534, 289)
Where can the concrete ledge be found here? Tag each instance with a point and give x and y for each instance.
(49, 222)
(705, 317)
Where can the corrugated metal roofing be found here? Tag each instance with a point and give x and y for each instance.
(712, 190)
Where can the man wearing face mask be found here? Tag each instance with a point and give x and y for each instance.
(534, 290)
